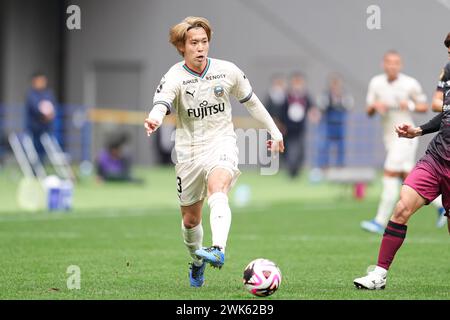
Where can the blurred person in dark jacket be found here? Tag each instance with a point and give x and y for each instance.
(40, 111)
(294, 115)
(276, 97)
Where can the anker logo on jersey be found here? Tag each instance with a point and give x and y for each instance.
(186, 82)
(205, 110)
(215, 76)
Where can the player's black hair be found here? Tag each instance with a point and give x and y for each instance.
(447, 41)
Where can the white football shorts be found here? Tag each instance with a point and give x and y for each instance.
(192, 176)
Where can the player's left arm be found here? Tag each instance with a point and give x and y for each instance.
(259, 112)
(243, 91)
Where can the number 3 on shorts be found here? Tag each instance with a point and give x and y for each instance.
(179, 189)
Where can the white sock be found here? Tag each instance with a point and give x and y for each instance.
(389, 196)
(381, 271)
(193, 239)
(437, 202)
(220, 219)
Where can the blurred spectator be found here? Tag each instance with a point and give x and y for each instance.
(293, 117)
(40, 111)
(165, 143)
(112, 163)
(334, 105)
(277, 97)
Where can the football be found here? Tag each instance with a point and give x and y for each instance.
(262, 277)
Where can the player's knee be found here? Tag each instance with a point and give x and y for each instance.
(402, 211)
(219, 181)
(190, 222)
(217, 187)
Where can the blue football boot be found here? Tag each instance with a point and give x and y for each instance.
(196, 277)
(213, 255)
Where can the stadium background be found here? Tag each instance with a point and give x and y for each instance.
(116, 61)
(119, 56)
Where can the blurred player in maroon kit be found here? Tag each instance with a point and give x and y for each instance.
(429, 178)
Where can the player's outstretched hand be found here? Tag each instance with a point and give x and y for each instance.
(275, 146)
(406, 131)
(151, 125)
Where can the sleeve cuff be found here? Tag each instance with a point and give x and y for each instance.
(244, 100)
(164, 103)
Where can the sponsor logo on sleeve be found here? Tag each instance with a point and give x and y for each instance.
(161, 84)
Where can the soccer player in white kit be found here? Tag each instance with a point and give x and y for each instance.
(197, 90)
(394, 96)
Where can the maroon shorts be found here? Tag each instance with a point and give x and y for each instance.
(430, 178)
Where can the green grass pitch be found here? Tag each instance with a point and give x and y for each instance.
(126, 239)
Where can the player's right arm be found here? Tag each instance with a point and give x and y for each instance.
(162, 103)
(155, 118)
(373, 104)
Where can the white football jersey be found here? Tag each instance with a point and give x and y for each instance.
(391, 93)
(202, 104)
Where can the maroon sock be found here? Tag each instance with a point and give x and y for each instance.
(393, 237)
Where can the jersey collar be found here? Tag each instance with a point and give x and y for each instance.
(194, 73)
